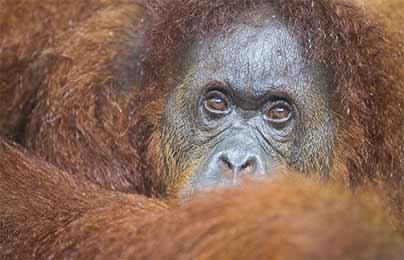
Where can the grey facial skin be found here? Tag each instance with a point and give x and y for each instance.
(253, 65)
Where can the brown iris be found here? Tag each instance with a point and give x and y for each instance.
(216, 102)
(279, 112)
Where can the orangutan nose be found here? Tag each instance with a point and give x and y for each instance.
(237, 164)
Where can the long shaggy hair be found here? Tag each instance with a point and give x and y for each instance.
(367, 68)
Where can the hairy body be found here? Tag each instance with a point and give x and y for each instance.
(44, 84)
(121, 98)
(291, 218)
(136, 114)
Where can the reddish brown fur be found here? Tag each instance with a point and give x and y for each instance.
(94, 115)
(42, 204)
(68, 94)
(54, 216)
(367, 65)
(74, 111)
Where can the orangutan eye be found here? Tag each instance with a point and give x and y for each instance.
(216, 102)
(279, 112)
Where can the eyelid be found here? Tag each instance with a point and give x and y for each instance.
(277, 103)
(219, 86)
(213, 93)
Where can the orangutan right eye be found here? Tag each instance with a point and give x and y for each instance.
(216, 102)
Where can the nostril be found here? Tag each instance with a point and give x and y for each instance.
(238, 164)
(246, 165)
(226, 162)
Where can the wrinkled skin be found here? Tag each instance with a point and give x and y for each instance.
(274, 110)
(225, 93)
(290, 219)
(111, 104)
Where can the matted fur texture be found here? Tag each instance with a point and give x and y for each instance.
(47, 214)
(101, 116)
(71, 93)
(363, 49)
(367, 66)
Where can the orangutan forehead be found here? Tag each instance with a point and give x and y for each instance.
(262, 15)
(194, 17)
(257, 38)
(258, 54)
